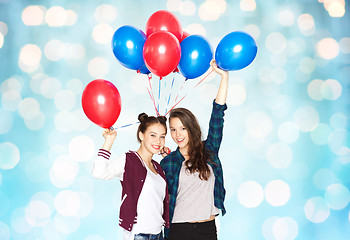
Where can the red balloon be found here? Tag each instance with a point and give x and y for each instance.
(101, 102)
(161, 53)
(164, 21)
(184, 35)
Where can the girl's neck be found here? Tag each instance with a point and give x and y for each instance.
(145, 155)
(183, 152)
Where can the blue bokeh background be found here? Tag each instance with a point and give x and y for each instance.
(286, 145)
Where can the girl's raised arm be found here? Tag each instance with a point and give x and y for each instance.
(109, 136)
(104, 168)
(222, 92)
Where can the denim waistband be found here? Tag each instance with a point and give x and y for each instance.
(150, 236)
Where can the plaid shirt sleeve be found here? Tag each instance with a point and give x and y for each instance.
(167, 166)
(216, 126)
(213, 143)
(171, 165)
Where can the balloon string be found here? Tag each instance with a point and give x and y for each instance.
(175, 105)
(180, 90)
(159, 83)
(151, 93)
(171, 88)
(187, 94)
(204, 78)
(127, 125)
(154, 104)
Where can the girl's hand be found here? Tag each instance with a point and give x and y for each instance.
(109, 133)
(165, 151)
(222, 92)
(217, 69)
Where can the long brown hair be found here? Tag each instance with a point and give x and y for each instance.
(146, 121)
(198, 154)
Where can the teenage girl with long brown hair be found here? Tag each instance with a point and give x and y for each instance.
(194, 173)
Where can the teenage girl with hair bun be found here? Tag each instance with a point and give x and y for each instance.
(144, 207)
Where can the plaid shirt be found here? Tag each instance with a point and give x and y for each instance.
(172, 163)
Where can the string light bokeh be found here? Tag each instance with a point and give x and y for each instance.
(286, 146)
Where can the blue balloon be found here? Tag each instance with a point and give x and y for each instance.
(127, 45)
(235, 51)
(196, 54)
(144, 70)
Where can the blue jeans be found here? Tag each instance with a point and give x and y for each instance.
(146, 236)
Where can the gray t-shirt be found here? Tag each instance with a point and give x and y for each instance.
(195, 197)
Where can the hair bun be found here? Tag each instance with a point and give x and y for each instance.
(162, 118)
(142, 117)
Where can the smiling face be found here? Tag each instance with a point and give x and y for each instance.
(179, 133)
(153, 139)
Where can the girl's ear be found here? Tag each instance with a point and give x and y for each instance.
(141, 136)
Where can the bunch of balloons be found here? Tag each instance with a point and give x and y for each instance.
(164, 48)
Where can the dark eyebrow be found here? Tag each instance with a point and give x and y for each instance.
(179, 127)
(157, 133)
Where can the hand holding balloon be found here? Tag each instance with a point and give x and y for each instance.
(222, 92)
(215, 67)
(109, 135)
